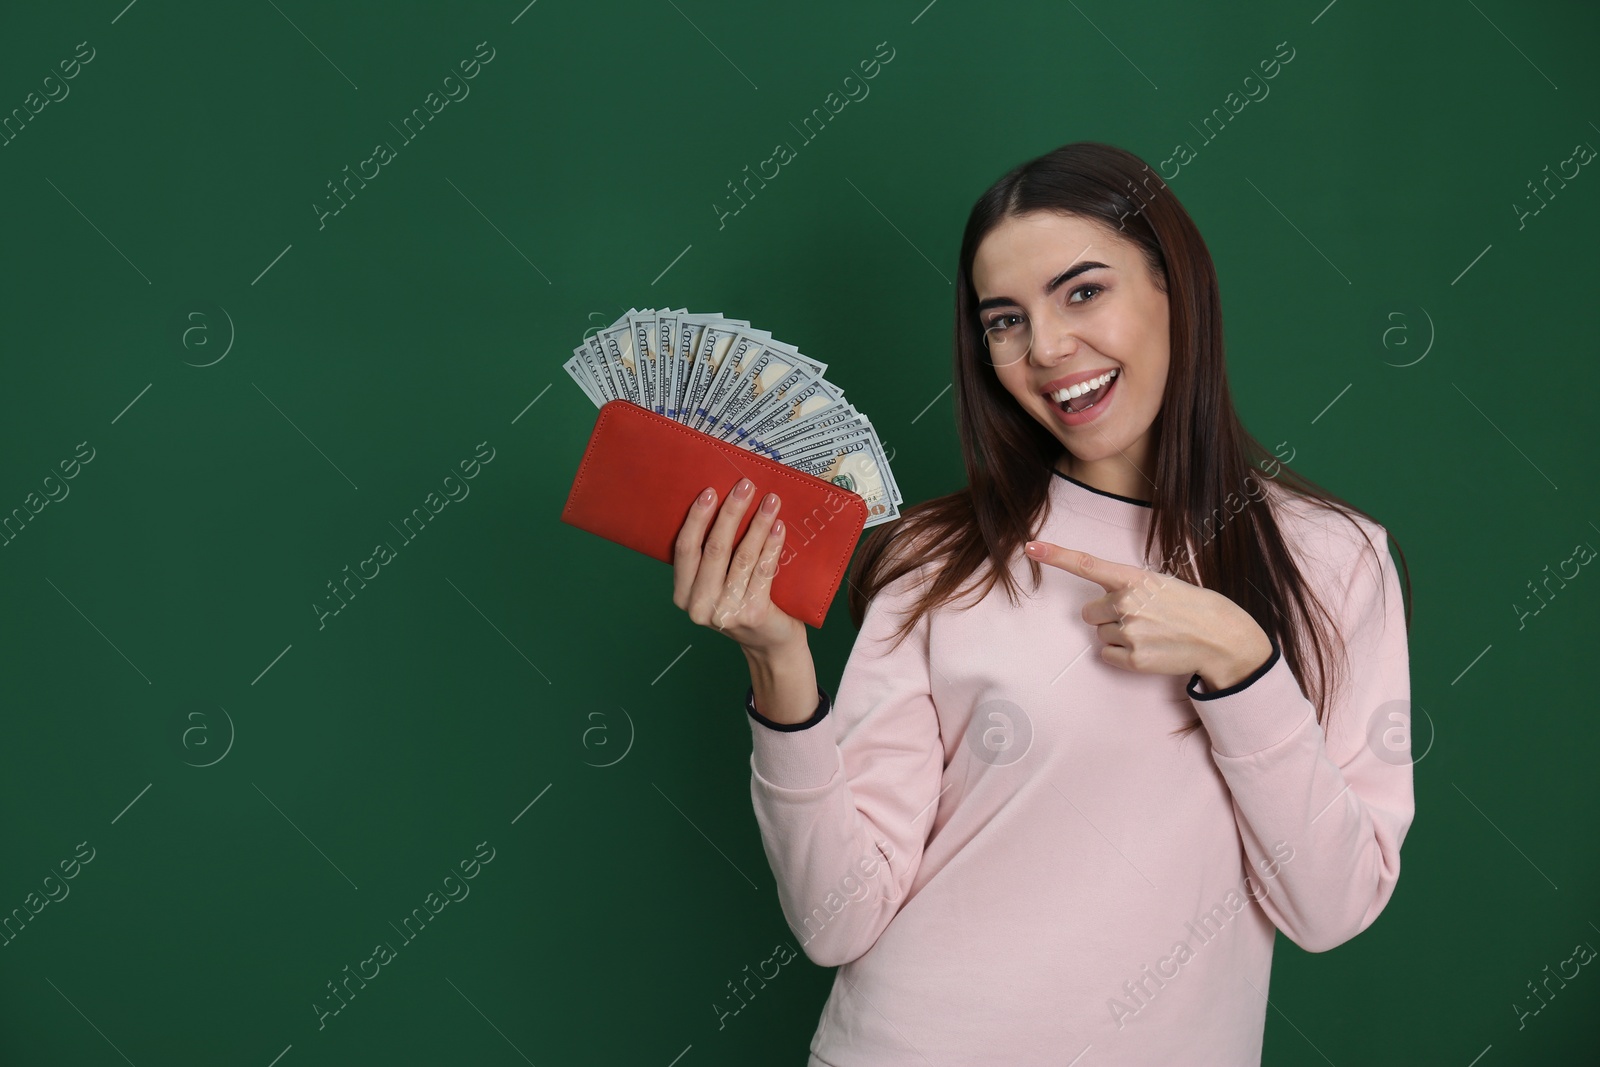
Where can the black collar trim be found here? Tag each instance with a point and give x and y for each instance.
(1102, 492)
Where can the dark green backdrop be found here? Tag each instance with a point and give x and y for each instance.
(266, 795)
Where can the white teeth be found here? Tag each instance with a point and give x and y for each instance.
(1082, 387)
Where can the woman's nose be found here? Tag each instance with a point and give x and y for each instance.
(1051, 345)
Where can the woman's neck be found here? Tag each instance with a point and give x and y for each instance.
(1114, 474)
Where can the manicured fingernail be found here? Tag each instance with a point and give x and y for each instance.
(777, 528)
(744, 486)
(1033, 548)
(706, 497)
(770, 504)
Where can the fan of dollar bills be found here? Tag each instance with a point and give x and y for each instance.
(727, 379)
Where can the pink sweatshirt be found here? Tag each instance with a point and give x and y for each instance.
(993, 835)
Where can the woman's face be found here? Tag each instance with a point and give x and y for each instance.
(1086, 296)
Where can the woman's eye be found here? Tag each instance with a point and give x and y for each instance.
(1002, 322)
(1081, 289)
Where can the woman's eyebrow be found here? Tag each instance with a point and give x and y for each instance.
(1055, 283)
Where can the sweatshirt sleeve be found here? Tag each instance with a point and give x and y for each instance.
(845, 805)
(1322, 814)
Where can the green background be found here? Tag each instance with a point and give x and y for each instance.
(511, 680)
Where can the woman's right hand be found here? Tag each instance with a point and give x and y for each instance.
(732, 596)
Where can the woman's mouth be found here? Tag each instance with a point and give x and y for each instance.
(1086, 406)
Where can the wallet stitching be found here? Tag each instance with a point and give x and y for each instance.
(852, 500)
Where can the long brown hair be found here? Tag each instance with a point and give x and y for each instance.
(1204, 456)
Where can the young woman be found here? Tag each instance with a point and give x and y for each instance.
(1118, 710)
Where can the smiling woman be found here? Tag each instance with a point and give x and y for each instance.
(1103, 319)
(1027, 876)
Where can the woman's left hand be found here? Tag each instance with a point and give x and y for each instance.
(1157, 624)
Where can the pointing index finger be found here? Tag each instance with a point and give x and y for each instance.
(1103, 572)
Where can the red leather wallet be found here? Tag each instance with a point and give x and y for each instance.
(641, 472)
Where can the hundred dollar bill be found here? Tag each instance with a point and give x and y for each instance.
(666, 326)
(685, 352)
(824, 425)
(719, 392)
(684, 334)
(620, 347)
(621, 351)
(642, 328)
(586, 372)
(716, 340)
(617, 344)
(856, 464)
(829, 427)
(848, 441)
(778, 371)
(579, 375)
(749, 383)
(591, 357)
(604, 378)
(789, 416)
(745, 352)
(694, 371)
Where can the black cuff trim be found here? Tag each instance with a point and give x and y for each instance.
(823, 705)
(1241, 683)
